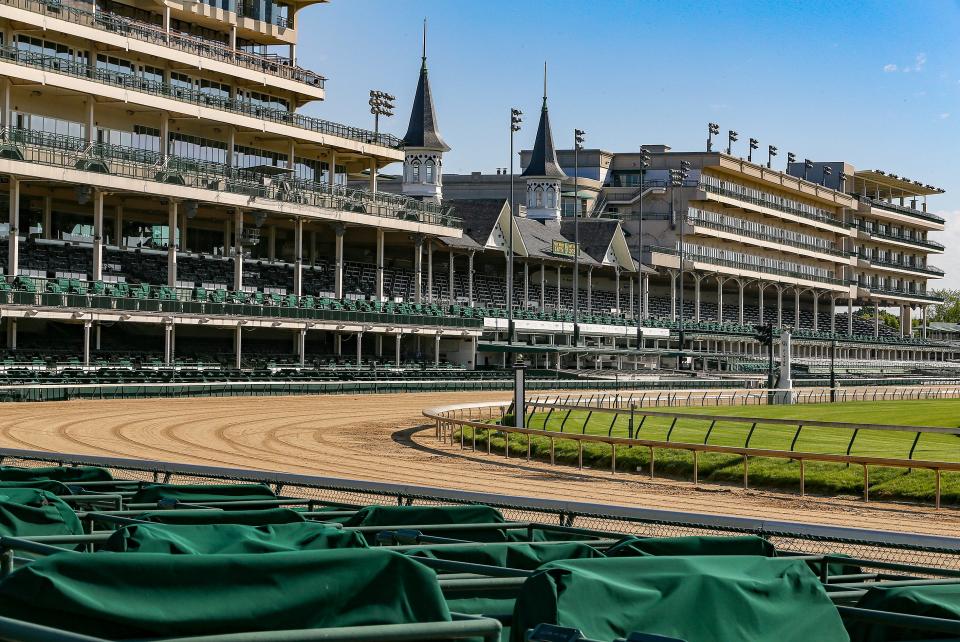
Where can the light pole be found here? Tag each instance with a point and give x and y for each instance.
(771, 152)
(791, 159)
(833, 373)
(754, 144)
(677, 176)
(644, 164)
(578, 138)
(713, 129)
(827, 171)
(731, 139)
(515, 120)
(807, 166)
(381, 104)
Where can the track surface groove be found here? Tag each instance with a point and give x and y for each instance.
(376, 437)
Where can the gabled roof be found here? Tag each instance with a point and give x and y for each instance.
(423, 130)
(543, 157)
(538, 240)
(600, 236)
(479, 216)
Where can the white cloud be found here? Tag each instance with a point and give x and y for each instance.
(889, 68)
(919, 62)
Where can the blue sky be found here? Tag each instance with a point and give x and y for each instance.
(873, 83)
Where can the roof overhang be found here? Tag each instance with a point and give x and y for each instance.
(896, 186)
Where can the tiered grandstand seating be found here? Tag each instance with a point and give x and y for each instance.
(161, 561)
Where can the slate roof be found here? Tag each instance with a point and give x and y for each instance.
(543, 158)
(423, 130)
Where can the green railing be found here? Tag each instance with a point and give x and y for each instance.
(107, 21)
(134, 82)
(904, 293)
(67, 151)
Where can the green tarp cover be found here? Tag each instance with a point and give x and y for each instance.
(60, 473)
(697, 545)
(421, 515)
(146, 595)
(213, 516)
(937, 600)
(507, 555)
(697, 599)
(28, 511)
(49, 485)
(199, 493)
(223, 539)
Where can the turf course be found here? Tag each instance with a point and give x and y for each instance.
(887, 483)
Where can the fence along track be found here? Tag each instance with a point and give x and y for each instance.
(452, 419)
(876, 545)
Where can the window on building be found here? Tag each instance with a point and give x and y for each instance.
(538, 197)
(415, 172)
(428, 166)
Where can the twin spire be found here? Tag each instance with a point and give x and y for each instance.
(423, 130)
(543, 159)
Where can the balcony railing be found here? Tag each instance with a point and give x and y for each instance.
(901, 209)
(75, 153)
(873, 232)
(701, 222)
(817, 215)
(926, 269)
(106, 21)
(745, 266)
(193, 96)
(903, 293)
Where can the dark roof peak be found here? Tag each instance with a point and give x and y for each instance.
(423, 130)
(543, 159)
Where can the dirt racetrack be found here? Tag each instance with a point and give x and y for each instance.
(376, 437)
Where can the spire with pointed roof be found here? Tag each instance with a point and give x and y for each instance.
(423, 131)
(543, 159)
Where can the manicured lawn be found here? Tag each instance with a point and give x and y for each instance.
(891, 483)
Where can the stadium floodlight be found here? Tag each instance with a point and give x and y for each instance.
(841, 179)
(807, 166)
(731, 139)
(381, 104)
(516, 119)
(713, 129)
(644, 164)
(578, 138)
(827, 171)
(677, 176)
(791, 159)
(771, 152)
(754, 144)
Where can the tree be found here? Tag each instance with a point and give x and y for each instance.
(949, 310)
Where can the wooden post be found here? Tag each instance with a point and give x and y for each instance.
(746, 467)
(651, 462)
(695, 468)
(937, 492)
(802, 488)
(866, 484)
(580, 456)
(552, 459)
(528, 446)
(613, 459)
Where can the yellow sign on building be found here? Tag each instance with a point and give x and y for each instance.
(565, 248)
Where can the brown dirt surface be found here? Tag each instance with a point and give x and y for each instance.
(382, 438)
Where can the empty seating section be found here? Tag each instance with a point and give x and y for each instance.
(205, 285)
(113, 555)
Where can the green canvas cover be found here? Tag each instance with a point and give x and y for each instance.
(28, 511)
(695, 598)
(695, 545)
(199, 493)
(507, 555)
(137, 595)
(60, 473)
(420, 515)
(935, 600)
(49, 485)
(224, 539)
(212, 516)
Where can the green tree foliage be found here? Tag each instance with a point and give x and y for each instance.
(949, 310)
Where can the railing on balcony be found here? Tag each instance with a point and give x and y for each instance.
(106, 21)
(902, 293)
(67, 151)
(193, 96)
(927, 243)
(902, 209)
(901, 265)
(766, 233)
(771, 201)
(739, 265)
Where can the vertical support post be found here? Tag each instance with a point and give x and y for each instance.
(86, 343)
(430, 270)
(396, 346)
(238, 250)
(590, 289)
(380, 266)
(237, 346)
(436, 351)
(849, 317)
(876, 319)
(616, 288)
(13, 255)
(418, 268)
(298, 257)
(470, 278)
(519, 396)
(451, 277)
(167, 343)
(172, 243)
(359, 349)
(373, 174)
(339, 231)
(302, 346)
(48, 218)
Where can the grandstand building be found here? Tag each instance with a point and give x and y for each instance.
(170, 205)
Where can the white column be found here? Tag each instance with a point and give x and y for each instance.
(849, 316)
(646, 296)
(373, 175)
(302, 345)
(359, 349)
(86, 343)
(616, 287)
(696, 298)
(13, 256)
(91, 124)
(558, 288)
(332, 174)
(450, 277)
(590, 289)
(237, 346)
(470, 277)
(816, 310)
(631, 302)
(238, 251)
(923, 313)
(430, 270)
(298, 256)
(417, 269)
(436, 351)
(339, 231)
(543, 285)
(97, 235)
(526, 285)
(380, 267)
(833, 314)
(172, 245)
(673, 296)
(761, 288)
(876, 319)
(741, 285)
(796, 307)
(719, 299)
(167, 343)
(396, 347)
(779, 306)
